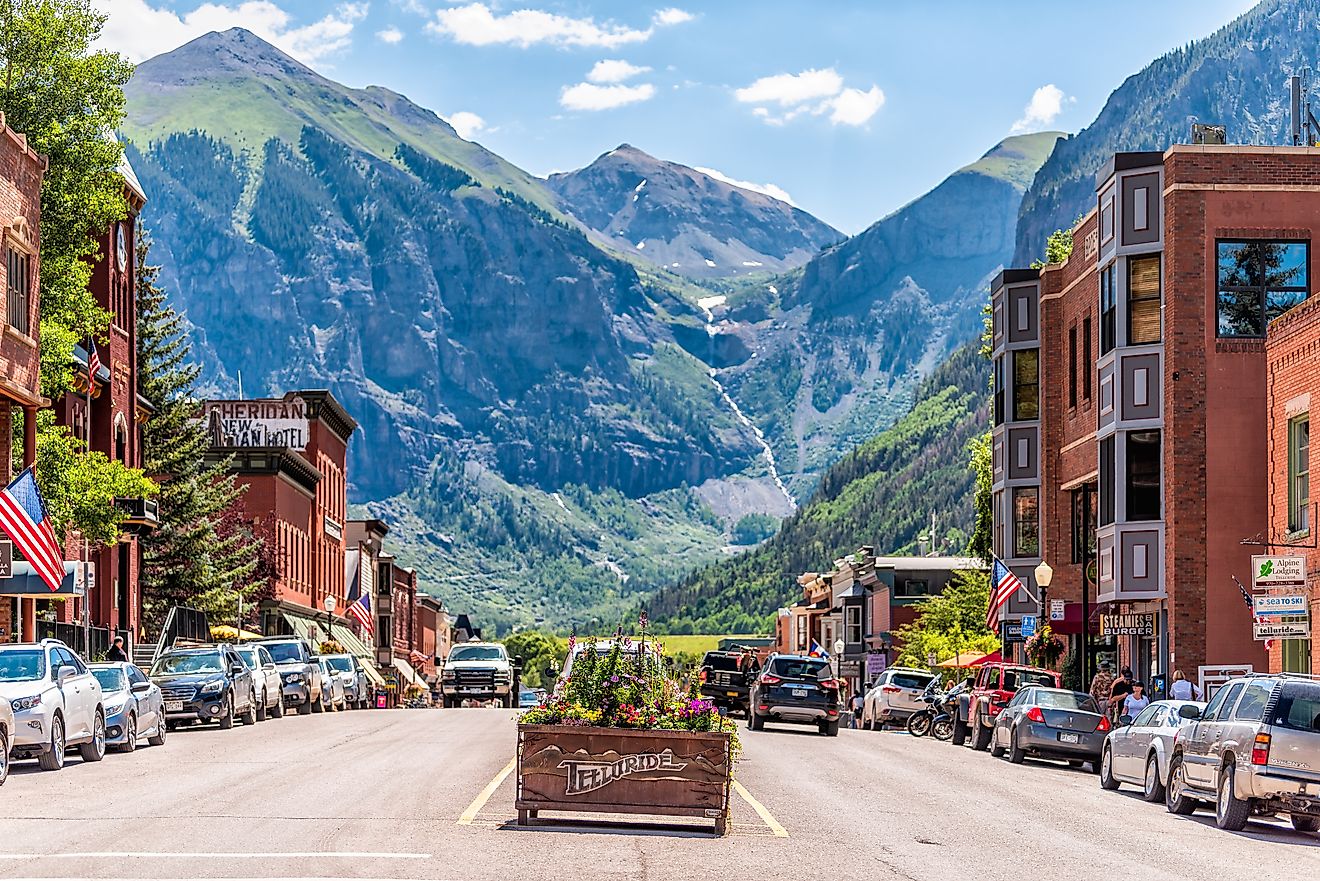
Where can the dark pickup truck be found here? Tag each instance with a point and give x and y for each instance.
(726, 679)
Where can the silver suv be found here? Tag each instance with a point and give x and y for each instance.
(56, 702)
(1255, 749)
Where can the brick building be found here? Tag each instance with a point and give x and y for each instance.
(1130, 399)
(1292, 353)
(290, 452)
(21, 173)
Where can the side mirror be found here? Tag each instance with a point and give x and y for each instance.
(1124, 720)
(1189, 712)
(237, 669)
(66, 673)
(140, 687)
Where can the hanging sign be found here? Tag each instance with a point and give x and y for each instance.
(1279, 604)
(1278, 573)
(1133, 624)
(1281, 630)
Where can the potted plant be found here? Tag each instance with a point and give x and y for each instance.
(621, 736)
(1044, 648)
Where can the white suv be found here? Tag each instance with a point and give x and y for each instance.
(894, 696)
(56, 703)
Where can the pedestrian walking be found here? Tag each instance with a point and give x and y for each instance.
(1118, 693)
(1136, 701)
(117, 652)
(1101, 683)
(1183, 689)
(857, 701)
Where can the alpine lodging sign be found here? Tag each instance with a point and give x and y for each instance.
(1278, 573)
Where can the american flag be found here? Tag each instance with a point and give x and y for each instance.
(360, 609)
(1259, 619)
(24, 519)
(418, 657)
(93, 362)
(1003, 584)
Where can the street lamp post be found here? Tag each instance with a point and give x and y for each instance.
(1044, 575)
(839, 646)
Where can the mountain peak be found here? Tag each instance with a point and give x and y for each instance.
(236, 51)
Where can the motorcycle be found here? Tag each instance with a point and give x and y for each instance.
(936, 719)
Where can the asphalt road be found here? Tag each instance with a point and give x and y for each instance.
(399, 795)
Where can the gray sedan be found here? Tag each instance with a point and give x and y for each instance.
(1137, 751)
(1051, 723)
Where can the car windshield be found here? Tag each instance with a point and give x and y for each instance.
(477, 653)
(1298, 706)
(341, 665)
(1066, 700)
(22, 665)
(111, 679)
(192, 662)
(798, 668)
(249, 657)
(911, 680)
(283, 652)
(718, 661)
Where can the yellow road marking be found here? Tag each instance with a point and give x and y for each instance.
(766, 817)
(484, 796)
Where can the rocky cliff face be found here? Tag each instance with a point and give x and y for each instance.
(686, 221)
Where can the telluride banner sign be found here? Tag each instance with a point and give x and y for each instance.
(589, 776)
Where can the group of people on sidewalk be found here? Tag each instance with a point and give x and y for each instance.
(1123, 695)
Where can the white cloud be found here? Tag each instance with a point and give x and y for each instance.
(476, 25)
(614, 71)
(1044, 107)
(589, 96)
(466, 123)
(390, 35)
(815, 92)
(772, 190)
(672, 16)
(140, 30)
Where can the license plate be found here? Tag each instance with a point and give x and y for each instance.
(1068, 737)
(799, 692)
(731, 693)
(174, 706)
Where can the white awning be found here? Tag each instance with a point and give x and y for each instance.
(408, 673)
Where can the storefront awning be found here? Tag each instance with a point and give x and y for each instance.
(300, 626)
(349, 641)
(373, 674)
(27, 583)
(407, 672)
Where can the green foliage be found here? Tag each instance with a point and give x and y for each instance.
(198, 555)
(1058, 247)
(982, 466)
(539, 652)
(66, 98)
(440, 175)
(754, 528)
(949, 623)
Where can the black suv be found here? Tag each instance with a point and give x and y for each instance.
(726, 679)
(796, 689)
(205, 684)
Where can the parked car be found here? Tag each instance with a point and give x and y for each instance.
(299, 672)
(6, 737)
(348, 669)
(134, 706)
(1255, 749)
(332, 687)
(994, 687)
(56, 703)
(1137, 751)
(208, 683)
(796, 689)
(266, 679)
(725, 679)
(894, 697)
(1050, 723)
(527, 698)
(477, 671)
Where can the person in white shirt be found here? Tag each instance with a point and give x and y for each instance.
(1183, 689)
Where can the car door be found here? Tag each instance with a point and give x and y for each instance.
(1004, 721)
(274, 686)
(150, 702)
(79, 699)
(243, 684)
(1204, 741)
(1128, 745)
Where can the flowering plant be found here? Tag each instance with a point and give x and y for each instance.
(1044, 648)
(626, 687)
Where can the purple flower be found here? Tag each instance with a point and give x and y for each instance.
(614, 679)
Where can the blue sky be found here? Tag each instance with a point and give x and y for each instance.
(850, 108)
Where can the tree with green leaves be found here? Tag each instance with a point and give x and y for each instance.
(950, 623)
(980, 544)
(199, 555)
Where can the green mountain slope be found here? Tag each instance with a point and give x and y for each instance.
(883, 494)
(1236, 76)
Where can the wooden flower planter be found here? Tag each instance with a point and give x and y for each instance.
(624, 771)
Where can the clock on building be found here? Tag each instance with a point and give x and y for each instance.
(121, 247)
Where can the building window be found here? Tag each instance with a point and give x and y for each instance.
(1072, 366)
(17, 288)
(1258, 282)
(801, 635)
(1297, 656)
(1026, 384)
(1143, 475)
(1026, 522)
(999, 391)
(1106, 503)
(1299, 474)
(1108, 311)
(1143, 300)
(1088, 363)
(852, 630)
(1083, 523)
(997, 539)
(911, 587)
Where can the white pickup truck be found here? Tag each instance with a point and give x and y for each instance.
(477, 671)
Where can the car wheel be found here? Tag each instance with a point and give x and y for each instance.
(959, 731)
(261, 709)
(130, 734)
(278, 710)
(4, 757)
(53, 759)
(227, 720)
(249, 716)
(94, 749)
(756, 721)
(995, 749)
(306, 707)
(318, 705)
(1231, 812)
(980, 734)
(1015, 753)
(158, 739)
(1107, 779)
(1301, 822)
(1175, 796)
(1153, 791)
(830, 729)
